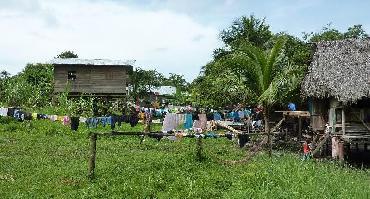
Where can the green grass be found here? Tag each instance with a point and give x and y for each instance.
(41, 159)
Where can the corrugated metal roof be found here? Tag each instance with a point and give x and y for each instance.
(164, 90)
(78, 61)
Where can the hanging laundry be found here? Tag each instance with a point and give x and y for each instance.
(103, 120)
(188, 121)
(53, 118)
(11, 112)
(217, 117)
(34, 116)
(60, 118)
(75, 122)
(19, 115)
(203, 121)
(92, 122)
(134, 119)
(3, 112)
(236, 116)
(83, 119)
(247, 112)
(241, 114)
(120, 119)
(42, 116)
(112, 121)
(66, 120)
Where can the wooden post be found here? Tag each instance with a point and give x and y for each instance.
(299, 128)
(93, 138)
(341, 151)
(199, 149)
(343, 122)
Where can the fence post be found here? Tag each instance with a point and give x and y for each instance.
(199, 149)
(92, 158)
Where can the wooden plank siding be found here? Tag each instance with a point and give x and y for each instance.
(94, 79)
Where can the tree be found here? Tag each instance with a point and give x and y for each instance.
(67, 54)
(356, 31)
(244, 30)
(4, 74)
(268, 75)
(175, 80)
(30, 88)
(143, 81)
(329, 33)
(247, 29)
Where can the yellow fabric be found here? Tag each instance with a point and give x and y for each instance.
(60, 118)
(141, 116)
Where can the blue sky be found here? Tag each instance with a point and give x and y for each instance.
(176, 36)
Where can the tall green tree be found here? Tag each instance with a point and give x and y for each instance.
(244, 30)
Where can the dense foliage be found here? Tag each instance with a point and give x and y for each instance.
(226, 79)
(252, 57)
(33, 87)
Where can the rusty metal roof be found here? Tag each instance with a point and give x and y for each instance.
(103, 62)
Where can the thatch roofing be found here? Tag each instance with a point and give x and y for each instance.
(101, 62)
(339, 69)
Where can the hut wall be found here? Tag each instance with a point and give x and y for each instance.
(91, 79)
(357, 117)
(319, 115)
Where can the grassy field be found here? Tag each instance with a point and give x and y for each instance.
(41, 159)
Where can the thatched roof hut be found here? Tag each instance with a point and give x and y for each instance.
(339, 69)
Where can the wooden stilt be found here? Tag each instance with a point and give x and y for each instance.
(341, 151)
(299, 128)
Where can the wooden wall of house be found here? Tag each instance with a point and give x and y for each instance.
(92, 79)
(319, 113)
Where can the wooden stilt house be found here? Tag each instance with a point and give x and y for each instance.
(338, 88)
(99, 77)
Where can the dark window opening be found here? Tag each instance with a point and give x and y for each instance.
(72, 75)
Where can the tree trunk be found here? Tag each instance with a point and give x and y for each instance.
(266, 116)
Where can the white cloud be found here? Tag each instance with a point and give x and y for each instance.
(161, 39)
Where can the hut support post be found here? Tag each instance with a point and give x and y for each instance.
(343, 122)
(92, 158)
(341, 151)
(299, 128)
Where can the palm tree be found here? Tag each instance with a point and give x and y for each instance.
(267, 75)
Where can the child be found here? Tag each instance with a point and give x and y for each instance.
(307, 150)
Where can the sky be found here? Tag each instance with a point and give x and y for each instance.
(171, 36)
